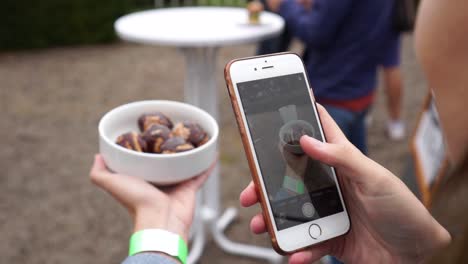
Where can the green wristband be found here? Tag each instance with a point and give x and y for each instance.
(158, 240)
(296, 186)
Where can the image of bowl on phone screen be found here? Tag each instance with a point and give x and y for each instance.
(291, 133)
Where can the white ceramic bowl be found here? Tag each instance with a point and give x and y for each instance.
(162, 169)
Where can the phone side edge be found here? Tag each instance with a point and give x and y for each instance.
(319, 119)
(250, 159)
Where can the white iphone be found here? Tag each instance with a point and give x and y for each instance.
(274, 106)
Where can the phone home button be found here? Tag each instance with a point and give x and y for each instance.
(315, 231)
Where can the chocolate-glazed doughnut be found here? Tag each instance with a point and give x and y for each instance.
(204, 140)
(155, 136)
(175, 145)
(148, 119)
(191, 132)
(132, 141)
(180, 130)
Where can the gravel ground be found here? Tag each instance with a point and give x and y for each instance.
(51, 101)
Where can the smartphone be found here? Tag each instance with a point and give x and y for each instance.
(274, 106)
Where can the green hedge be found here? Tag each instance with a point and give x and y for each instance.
(44, 23)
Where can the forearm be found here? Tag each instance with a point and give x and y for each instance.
(150, 258)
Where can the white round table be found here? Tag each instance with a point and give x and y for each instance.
(196, 27)
(199, 32)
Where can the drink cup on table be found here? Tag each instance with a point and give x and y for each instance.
(254, 8)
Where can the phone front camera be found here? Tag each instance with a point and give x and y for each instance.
(255, 68)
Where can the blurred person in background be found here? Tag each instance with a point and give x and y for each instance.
(393, 84)
(282, 42)
(344, 42)
(389, 225)
(276, 44)
(403, 21)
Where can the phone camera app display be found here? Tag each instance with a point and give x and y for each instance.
(279, 113)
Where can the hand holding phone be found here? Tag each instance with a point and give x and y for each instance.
(389, 224)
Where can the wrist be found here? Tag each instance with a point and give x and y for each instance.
(160, 218)
(160, 242)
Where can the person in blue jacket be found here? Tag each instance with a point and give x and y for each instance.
(275, 44)
(344, 42)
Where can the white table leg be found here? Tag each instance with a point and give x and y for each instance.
(200, 90)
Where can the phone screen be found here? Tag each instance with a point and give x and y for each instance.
(278, 112)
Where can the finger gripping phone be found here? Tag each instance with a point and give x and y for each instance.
(274, 106)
